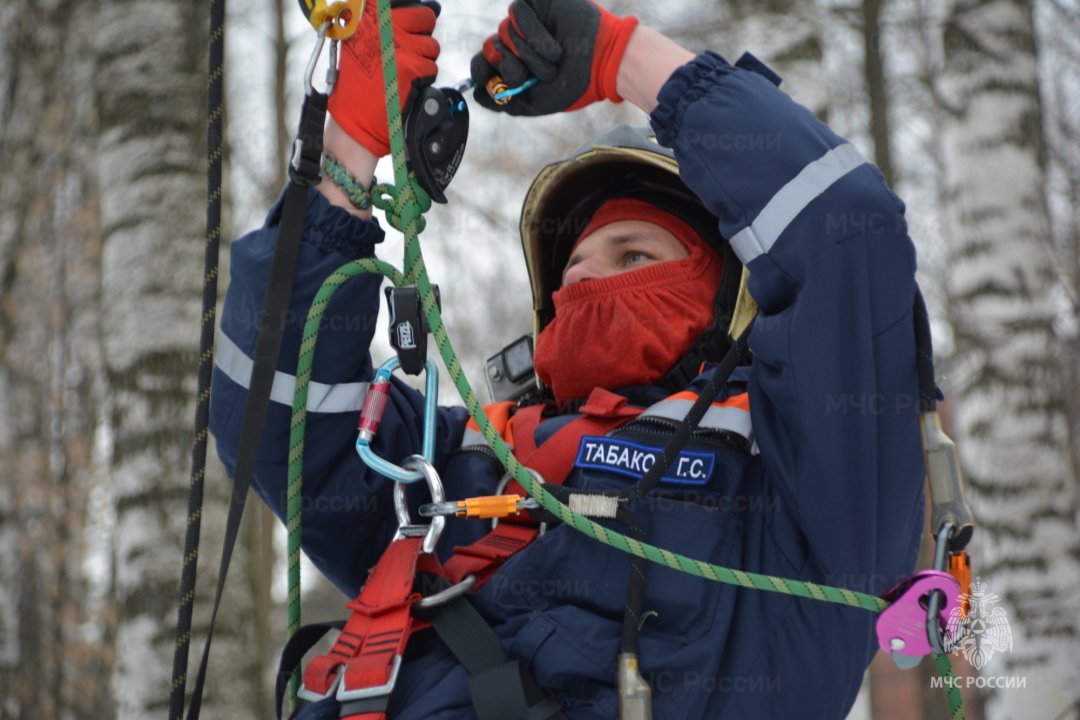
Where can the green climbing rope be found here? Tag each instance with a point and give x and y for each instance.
(404, 204)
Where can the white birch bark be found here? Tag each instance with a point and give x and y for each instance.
(52, 646)
(1010, 416)
(151, 89)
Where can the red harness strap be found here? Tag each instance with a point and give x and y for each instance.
(602, 412)
(367, 653)
(553, 460)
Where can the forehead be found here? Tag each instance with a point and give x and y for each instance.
(622, 232)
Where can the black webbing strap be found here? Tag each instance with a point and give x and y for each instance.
(293, 654)
(500, 688)
(924, 355)
(304, 173)
(737, 352)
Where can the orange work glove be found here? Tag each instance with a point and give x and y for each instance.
(358, 101)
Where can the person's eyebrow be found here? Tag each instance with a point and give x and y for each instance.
(622, 238)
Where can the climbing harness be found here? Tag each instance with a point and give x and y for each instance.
(356, 678)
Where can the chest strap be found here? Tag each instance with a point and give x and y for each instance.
(553, 460)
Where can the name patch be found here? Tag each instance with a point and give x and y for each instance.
(627, 458)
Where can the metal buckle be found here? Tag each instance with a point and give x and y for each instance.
(445, 596)
(386, 688)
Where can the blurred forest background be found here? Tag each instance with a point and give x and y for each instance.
(971, 109)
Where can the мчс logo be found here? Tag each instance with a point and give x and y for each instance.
(978, 627)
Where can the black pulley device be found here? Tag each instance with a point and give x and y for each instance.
(436, 128)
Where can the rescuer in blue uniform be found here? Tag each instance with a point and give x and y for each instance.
(809, 468)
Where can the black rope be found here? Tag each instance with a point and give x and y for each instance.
(635, 589)
(924, 355)
(214, 121)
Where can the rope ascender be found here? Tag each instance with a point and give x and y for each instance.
(442, 118)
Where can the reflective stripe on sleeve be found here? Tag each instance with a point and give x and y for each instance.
(814, 179)
(322, 398)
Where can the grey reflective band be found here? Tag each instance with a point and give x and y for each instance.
(717, 417)
(814, 179)
(322, 398)
(472, 438)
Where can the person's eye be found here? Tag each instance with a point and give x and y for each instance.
(634, 257)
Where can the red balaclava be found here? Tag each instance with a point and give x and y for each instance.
(630, 328)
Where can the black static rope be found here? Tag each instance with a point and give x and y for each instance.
(214, 126)
(924, 355)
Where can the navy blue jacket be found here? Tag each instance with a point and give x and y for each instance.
(826, 488)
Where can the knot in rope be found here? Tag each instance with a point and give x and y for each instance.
(402, 205)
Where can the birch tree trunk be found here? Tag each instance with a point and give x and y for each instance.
(53, 620)
(1010, 418)
(151, 90)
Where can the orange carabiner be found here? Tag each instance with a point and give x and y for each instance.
(960, 568)
(495, 86)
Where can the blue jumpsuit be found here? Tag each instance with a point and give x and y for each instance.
(821, 481)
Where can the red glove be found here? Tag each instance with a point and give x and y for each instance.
(573, 47)
(358, 102)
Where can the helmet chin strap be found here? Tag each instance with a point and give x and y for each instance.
(710, 346)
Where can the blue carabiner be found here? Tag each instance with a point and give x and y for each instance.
(511, 92)
(376, 405)
(469, 84)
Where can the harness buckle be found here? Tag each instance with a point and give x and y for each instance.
(446, 595)
(376, 691)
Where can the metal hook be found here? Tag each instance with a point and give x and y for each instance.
(504, 481)
(371, 416)
(309, 71)
(933, 604)
(433, 531)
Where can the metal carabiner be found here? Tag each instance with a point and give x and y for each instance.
(496, 88)
(933, 604)
(371, 416)
(313, 61)
(433, 531)
(504, 482)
